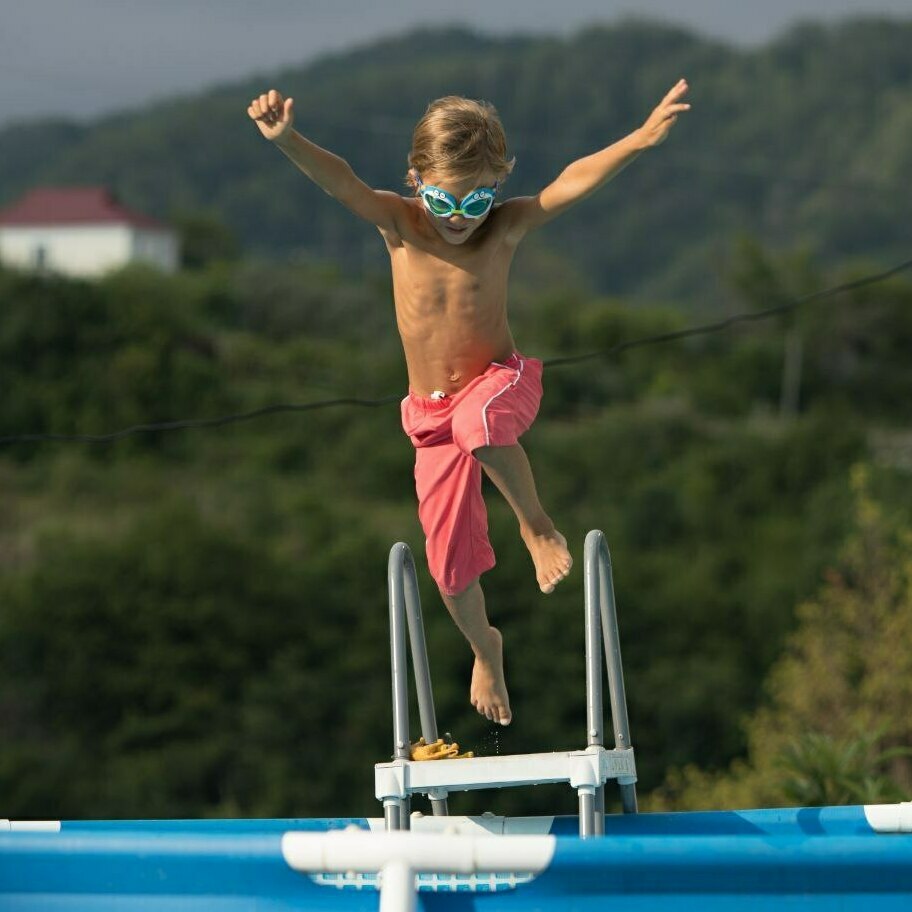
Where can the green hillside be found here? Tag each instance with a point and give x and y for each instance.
(804, 141)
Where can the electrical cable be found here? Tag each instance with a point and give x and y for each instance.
(704, 329)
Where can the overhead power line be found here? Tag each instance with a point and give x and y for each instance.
(703, 329)
(749, 317)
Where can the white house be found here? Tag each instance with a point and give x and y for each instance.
(81, 231)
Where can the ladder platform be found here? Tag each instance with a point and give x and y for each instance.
(582, 769)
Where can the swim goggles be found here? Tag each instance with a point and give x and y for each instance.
(442, 204)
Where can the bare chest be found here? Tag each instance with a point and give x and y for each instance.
(467, 286)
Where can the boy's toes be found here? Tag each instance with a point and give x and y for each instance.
(501, 714)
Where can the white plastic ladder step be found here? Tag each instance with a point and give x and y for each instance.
(591, 767)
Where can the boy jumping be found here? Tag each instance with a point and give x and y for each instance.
(472, 394)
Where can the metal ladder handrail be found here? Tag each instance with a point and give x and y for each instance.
(404, 602)
(601, 631)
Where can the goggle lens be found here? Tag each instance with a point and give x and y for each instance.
(479, 206)
(437, 206)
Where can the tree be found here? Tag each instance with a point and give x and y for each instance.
(204, 237)
(836, 728)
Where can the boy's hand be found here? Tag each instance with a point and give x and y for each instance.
(272, 114)
(662, 119)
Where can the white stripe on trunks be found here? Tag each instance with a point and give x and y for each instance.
(484, 408)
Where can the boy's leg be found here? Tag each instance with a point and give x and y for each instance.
(488, 692)
(453, 517)
(508, 467)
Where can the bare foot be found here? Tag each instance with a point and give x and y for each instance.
(550, 555)
(488, 692)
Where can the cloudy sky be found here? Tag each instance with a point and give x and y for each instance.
(81, 58)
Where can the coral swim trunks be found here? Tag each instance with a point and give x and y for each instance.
(494, 409)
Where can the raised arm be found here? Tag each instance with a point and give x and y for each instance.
(584, 176)
(274, 116)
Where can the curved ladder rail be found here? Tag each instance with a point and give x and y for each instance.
(405, 607)
(602, 630)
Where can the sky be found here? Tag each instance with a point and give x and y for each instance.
(83, 58)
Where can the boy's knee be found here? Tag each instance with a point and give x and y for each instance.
(467, 590)
(488, 457)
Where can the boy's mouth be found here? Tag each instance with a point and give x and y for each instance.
(456, 230)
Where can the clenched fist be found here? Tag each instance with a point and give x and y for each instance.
(272, 114)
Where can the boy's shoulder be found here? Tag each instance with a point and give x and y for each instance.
(404, 212)
(514, 217)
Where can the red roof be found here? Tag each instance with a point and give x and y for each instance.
(71, 206)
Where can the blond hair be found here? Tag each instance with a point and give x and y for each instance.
(457, 139)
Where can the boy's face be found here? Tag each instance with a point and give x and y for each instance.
(457, 229)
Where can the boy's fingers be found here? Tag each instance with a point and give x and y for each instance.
(679, 89)
(263, 110)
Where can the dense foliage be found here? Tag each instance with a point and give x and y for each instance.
(835, 729)
(194, 622)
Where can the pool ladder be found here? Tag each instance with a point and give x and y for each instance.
(585, 770)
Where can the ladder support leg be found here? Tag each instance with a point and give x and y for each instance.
(586, 811)
(391, 814)
(599, 822)
(629, 799)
